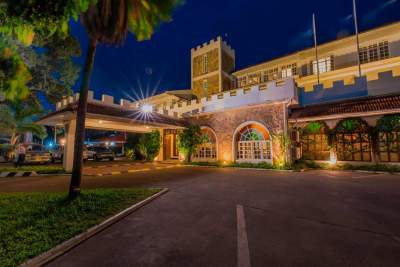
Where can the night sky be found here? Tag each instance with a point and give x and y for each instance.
(258, 30)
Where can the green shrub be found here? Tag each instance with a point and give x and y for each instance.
(149, 145)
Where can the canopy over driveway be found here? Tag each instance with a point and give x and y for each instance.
(105, 115)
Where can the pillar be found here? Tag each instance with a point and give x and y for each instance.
(68, 159)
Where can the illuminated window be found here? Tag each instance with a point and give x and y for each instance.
(324, 65)
(242, 81)
(271, 75)
(389, 146)
(289, 71)
(353, 141)
(314, 142)
(253, 144)
(374, 52)
(254, 78)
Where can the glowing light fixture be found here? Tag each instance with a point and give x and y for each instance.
(333, 159)
(146, 108)
(62, 141)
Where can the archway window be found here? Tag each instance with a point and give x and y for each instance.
(314, 142)
(353, 141)
(207, 150)
(253, 144)
(389, 146)
(389, 138)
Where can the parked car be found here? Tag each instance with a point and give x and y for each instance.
(87, 154)
(99, 153)
(36, 153)
(57, 153)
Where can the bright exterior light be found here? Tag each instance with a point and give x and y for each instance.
(107, 143)
(146, 108)
(333, 159)
(62, 141)
(112, 143)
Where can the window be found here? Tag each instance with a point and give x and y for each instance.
(254, 78)
(205, 84)
(207, 150)
(205, 63)
(315, 147)
(252, 144)
(242, 81)
(353, 141)
(271, 75)
(389, 146)
(324, 65)
(289, 71)
(374, 52)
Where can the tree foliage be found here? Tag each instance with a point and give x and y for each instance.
(149, 145)
(189, 139)
(16, 120)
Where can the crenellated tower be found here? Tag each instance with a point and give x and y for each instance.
(212, 64)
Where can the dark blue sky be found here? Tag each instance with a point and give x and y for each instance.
(257, 29)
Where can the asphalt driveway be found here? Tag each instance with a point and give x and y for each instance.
(229, 217)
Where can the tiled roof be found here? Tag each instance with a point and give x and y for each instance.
(359, 105)
(134, 115)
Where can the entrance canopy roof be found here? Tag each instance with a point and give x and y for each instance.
(113, 117)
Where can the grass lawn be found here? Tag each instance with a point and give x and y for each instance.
(32, 223)
(41, 169)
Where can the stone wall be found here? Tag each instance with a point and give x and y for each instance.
(212, 85)
(213, 63)
(225, 123)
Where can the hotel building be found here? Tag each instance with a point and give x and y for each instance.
(327, 110)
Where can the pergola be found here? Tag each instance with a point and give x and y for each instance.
(106, 115)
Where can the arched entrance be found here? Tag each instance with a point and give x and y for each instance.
(252, 143)
(208, 150)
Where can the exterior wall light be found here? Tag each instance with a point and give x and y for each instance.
(146, 108)
(332, 158)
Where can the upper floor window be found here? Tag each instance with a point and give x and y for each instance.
(324, 65)
(270, 75)
(242, 81)
(374, 52)
(254, 78)
(205, 63)
(289, 70)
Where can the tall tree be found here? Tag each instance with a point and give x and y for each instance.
(108, 22)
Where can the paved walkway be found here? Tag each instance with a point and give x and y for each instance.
(226, 217)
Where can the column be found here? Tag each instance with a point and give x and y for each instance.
(68, 159)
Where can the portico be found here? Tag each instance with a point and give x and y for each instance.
(106, 115)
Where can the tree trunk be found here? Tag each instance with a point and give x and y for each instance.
(74, 187)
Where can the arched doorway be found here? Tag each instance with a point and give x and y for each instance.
(208, 150)
(252, 143)
(353, 140)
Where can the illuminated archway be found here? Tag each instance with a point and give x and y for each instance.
(208, 150)
(252, 143)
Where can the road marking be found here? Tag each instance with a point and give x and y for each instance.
(115, 173)
(243, 258)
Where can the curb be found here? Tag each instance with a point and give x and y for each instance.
(128, 171)
(241, 168)
(18, 174)
(69, 244)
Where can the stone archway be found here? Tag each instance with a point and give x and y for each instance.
(207, 151)
(252, 142)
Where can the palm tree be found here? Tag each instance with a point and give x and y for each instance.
(16, 120)
(108, 22)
